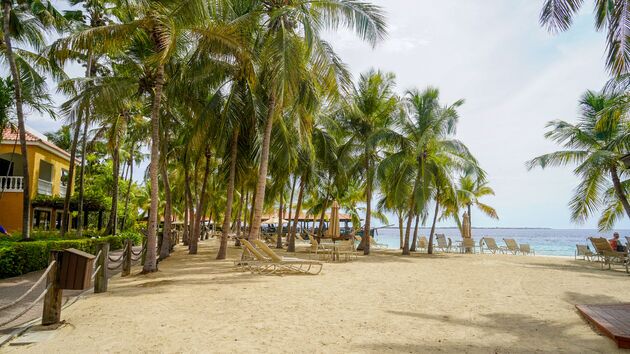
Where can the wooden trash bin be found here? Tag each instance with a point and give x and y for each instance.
(76, 270)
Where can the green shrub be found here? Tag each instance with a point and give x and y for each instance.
(18, 258)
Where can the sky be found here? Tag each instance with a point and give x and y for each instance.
(514, 76)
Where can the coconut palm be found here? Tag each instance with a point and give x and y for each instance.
(469, 190)
(368, 117)
(595, 144)
(25, 22)
(294, 58)
(557, 15)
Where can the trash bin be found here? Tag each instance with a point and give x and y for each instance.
(76, 270)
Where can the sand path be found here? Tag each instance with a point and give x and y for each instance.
(382, 303)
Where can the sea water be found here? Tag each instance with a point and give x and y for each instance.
(550, 242)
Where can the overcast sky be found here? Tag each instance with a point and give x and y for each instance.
(514, 76)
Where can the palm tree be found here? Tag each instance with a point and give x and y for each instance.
(293, 57)
(24, 24)
(368, 118)
(470, 190)
(557, 15)
(595, 144)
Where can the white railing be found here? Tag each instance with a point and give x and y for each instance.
(62, 190)
(12, 184)
(44, 187)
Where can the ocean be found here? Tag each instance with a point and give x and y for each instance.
(549, 242)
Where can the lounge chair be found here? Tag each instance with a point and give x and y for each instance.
(467, 244)
(423, 244)
(374, 244)
(608, 255)
(293, 265)
(511, 245)
(584, 252)
(526, 250)
(491, 245)
(318, 250)
(250, 258)
(347, 249)
(442, 243)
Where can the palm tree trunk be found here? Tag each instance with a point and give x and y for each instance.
(320, 231)
(128, 194)
(113, 213)
(82, 173)
(200, 207)
(290, 219)
(17, 90)
(230, 196)
(435, 216)
(251, 213)
(619, 190)
(368, 207)
(70, 183)
(150, 264)
(401, 223)
(190, 214)
(186, 221)
(238, 219)
(415, 235)
(254, 231)
(280, 217)
(298, 208)
(165, 251)
(412, 208)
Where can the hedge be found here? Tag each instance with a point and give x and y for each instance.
(23, 257)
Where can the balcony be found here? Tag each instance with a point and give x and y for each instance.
(12, 184)
(44, 187)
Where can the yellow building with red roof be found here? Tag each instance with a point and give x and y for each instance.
(48, 167)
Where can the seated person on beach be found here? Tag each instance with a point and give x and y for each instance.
(616, 244)
(4, 231)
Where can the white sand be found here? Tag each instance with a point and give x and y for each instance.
(380, 303)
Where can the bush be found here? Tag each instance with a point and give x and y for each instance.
(17, 258)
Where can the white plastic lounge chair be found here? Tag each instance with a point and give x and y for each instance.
(584, 252)
(511, 245)
(491, 245)
(442, 243)
(608, 255)
(467, 245)
(423, 243)
(525, 249)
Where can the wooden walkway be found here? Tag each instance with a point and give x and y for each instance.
(613, 320)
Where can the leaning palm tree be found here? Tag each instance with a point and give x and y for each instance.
(469, 190)
(368, 118)
(24, 22)
(294, 58)
(595, 144)
(557, 15)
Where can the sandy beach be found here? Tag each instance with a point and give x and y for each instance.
(381, 303)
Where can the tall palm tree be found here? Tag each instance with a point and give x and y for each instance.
(595, 144)
(469, 190)
(368, 118)
(25, 22)
(291, 49)
(557, 15)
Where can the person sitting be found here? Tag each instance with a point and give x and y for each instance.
(4, 231)
(616, 244)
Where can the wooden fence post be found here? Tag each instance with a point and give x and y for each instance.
(51, 313)
(100, 281)
(127, 258)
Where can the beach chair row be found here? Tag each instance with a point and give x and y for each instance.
(467, 245)
(603, 253)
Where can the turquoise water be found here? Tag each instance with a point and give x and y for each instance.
(550, 242)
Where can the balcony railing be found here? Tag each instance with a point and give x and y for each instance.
(44, 187)
(12, 184)
(62, 190)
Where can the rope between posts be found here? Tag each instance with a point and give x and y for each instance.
(41, 296)
(139, 252)
(119, 257)
(96, 272)
(98, 255)
(116, 267)
(41, 278)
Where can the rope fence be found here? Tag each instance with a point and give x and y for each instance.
(39, 281)
(30, 306)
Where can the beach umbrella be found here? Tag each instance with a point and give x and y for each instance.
(466, 230)
(333, 229)
(275, 221)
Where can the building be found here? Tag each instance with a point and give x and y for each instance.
(48, 167)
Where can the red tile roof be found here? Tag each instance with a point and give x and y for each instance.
(14, 135)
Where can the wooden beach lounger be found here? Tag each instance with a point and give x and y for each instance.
(511, 245)
(319, 250)
(607, 254)
(491, 245)
(467, 244)
(250, 258)
(293, 265)
(584, 252)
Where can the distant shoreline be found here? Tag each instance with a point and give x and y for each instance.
(481, 228)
